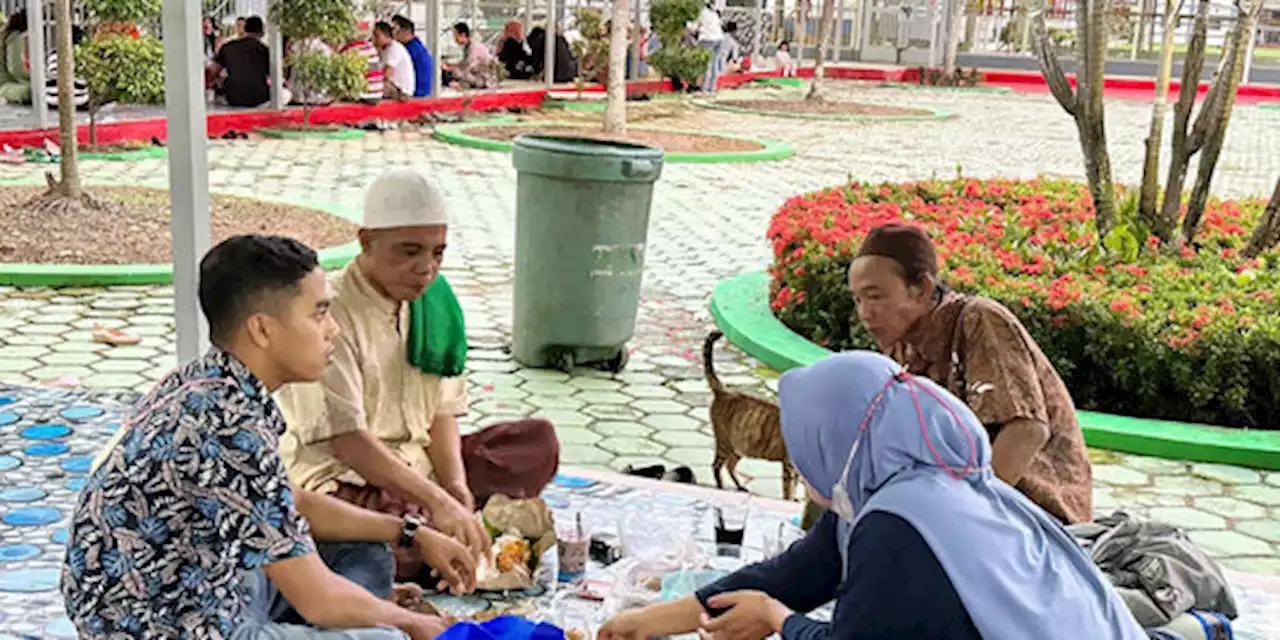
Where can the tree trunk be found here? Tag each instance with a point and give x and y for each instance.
(1210, 131)
(1180, 155)
(70, 160)
(955, 26)
(802, 31)
(615, 108)
(816, 90)
(1085, 104)
(1267, 234)
(1148, 201)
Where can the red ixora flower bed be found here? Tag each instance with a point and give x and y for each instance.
(1192, 335)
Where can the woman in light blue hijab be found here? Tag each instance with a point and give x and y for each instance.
(920, 540)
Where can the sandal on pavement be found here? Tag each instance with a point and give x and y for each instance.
(114, 337)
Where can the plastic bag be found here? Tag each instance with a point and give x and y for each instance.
(638, 579)
(502, 628)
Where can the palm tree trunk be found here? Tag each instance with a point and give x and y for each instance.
(825, 25)
(1148, 200)
(1267, 233)
(70, 161)
(615, 108)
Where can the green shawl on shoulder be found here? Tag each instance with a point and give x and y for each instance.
(437, 341)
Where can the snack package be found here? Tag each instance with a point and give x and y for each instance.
(523, 531)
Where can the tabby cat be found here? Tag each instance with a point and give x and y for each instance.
(744, 427)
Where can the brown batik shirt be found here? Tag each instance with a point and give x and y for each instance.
(979, 351)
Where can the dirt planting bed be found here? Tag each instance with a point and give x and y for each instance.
(671, 142)
(134, 227)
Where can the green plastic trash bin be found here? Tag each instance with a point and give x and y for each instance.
(582, 216)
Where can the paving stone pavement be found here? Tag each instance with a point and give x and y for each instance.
(707, 224)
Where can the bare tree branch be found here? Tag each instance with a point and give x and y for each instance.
(1180, 156)
(1267, 234)
(1051, 67)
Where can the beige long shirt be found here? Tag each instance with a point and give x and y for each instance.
(368, 385)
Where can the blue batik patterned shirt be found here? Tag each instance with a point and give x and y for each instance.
(193, 495)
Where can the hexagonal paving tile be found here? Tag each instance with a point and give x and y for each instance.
(501, 366)
(1260, 494)
(658, 406)
(612, 428)
(613, 412)
(671, 422)
(697, 458)
(549, 388)
(121, 365)
(648, 391)
(564, 417)
(684, 439)
(630, 377)
(555, 402)
(70, 358)
(595, 384)
(576, 435)
(1265, 566)
(78, 347)
(9, 365)
(621, 463)
(1268, 530)
(1129, 497)
(1186, 486)
(43, 329)
(503, 408)
(583, 454)
(1226, 474)
(602, 397)
(1188, 518)
(57, 371)
(1231, 508)
(543, 374)
(32, 340)
(1230, 543)
(1117, 475)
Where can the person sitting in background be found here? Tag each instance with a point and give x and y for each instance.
(247, 65)
(79, 89)
(477, 69)
(15, 77)
(730, 50)
(921, 539)
(399, 78)
(514, 52)
(241, 27)
(374, 88)
(212, 39)
(566, 66)
(423, 66)
(977, 349)
(786, 64)
(302, 94)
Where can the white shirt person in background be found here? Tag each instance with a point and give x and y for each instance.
(397, 66)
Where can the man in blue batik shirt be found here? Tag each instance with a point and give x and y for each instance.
(423, 66)
(188, 527)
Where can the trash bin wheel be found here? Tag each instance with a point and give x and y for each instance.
(618, 362)
(563, 360)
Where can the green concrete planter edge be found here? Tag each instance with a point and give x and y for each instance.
(30, 274)
(346, 133)
(740, 306)
(144, 153)
(772, 149)
(934, 114)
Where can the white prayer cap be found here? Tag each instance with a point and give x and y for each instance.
(403, 198)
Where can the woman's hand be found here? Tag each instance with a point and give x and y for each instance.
(453, 563)
(422, 627)
(751, 615)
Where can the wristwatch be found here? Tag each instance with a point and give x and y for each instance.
(409, 530)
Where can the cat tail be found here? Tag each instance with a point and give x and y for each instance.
(708, 365)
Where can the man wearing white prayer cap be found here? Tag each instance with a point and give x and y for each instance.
(378, 431)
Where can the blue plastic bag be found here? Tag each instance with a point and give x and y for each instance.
(503, 628)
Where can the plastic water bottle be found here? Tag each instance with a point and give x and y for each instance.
(1195, 625)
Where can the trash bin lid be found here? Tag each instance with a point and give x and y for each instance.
(583, 158)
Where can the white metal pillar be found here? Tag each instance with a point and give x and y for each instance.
(434, 17)
(275, 49)
(549, 51)
(36, 51)
(527, 23)
(188, 168)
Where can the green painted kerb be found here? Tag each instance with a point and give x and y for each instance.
(771, 149)
(740, 306)
(933, 114)
(27, 274)
(345, 133)
(962, 89)
(780, 81)
(1269, 106)
(145, 153)
(574, 105)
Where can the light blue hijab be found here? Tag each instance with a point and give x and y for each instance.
(919, 453)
